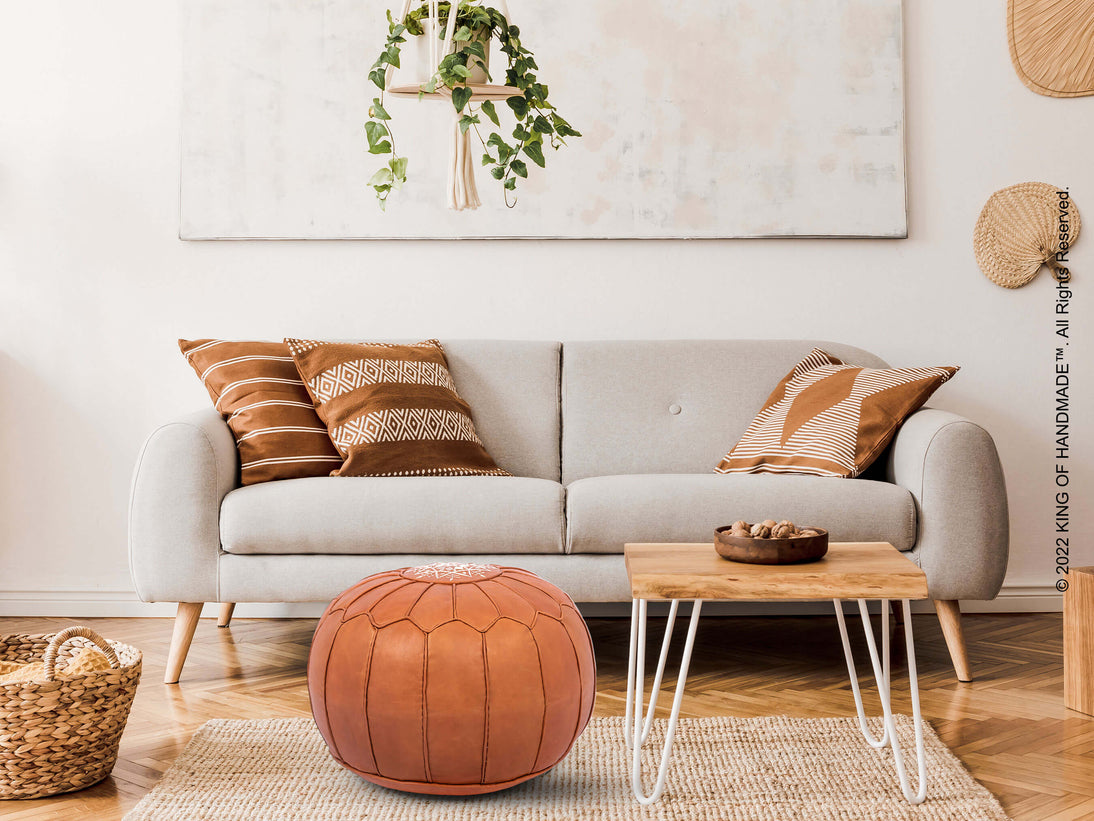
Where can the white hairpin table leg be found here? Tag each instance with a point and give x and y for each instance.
(637, 734)
(657, 678)
(882, 676)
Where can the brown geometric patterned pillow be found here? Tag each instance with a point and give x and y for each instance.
(830, 419)
(392, 410)
(256, 388)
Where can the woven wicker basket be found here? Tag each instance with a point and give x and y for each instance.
(62, 734)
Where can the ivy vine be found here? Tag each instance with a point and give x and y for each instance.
(538, 123)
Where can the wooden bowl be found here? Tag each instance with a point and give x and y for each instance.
(770, 551)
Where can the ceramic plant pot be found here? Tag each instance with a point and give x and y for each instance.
(422, 68)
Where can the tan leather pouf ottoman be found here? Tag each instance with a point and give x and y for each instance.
(451, 679)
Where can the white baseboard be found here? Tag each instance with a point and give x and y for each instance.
(1020, 598)
(124, 604)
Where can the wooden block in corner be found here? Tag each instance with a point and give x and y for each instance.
(1079, 640)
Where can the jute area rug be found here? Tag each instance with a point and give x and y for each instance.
(729, 769)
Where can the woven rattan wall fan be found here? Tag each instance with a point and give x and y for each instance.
(1052, 45)
(454, 41)
(1023, 227)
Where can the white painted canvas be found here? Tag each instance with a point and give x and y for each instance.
(734, 118)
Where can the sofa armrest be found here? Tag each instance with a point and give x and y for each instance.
(951, 467)
(183, 472)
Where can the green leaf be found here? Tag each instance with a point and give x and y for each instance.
(377, 111)
(378, 77)
(564, 129)
(489, 110)
(449, 77)
(497, 173)
(476, 48)
(466, 121)
(505, 151)
(398, 167)
(519, 168)
(461, 72)
(535, 152)
(541, 125)
(461, 95)
(392, 56)
(510, 184)
(380, 177)
(519, 106)
(382, 203)
(375, 131)
(380, 148)
(463, 33)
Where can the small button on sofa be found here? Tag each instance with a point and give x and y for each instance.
(608, 442)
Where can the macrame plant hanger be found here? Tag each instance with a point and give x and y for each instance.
(460, 189)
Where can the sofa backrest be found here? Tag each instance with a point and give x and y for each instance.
(673, 406)
(513, 390)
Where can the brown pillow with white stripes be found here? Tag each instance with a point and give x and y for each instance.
(257, 389)
(826, 418)
(392, 410)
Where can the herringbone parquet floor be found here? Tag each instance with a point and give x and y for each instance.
(1009, 726)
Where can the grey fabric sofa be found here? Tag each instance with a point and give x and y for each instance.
(609, 442)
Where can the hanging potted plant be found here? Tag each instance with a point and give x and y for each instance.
(459, 72)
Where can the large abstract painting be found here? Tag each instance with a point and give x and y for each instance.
(733, 118)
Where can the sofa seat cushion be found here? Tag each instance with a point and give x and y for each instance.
(605, 512)
(371, 515)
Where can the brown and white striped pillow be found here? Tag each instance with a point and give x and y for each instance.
(826, 418)
(392, 410)
(256, 387)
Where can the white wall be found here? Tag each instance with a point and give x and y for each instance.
(96, 287)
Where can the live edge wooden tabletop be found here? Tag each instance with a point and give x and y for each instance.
(850, 570)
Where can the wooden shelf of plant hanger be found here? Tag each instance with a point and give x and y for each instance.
(479, 92)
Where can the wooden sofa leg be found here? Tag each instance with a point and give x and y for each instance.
(225, 617)
(949, 616)
(185, 623)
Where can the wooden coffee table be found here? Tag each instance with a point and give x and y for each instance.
(860, 571)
